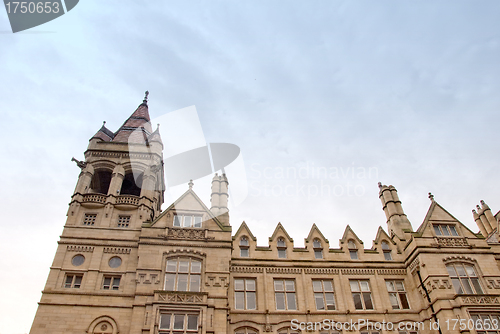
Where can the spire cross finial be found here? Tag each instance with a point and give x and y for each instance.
(190, 184)
(431, 197)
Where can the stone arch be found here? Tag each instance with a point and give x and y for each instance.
(103, 325)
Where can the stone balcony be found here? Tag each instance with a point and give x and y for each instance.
(122, 202)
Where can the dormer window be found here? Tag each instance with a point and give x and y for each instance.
(281, 248)
(353, 250)
(244, 247)
(187, 221)
(445, 230)
(387, 251)
(318, 250)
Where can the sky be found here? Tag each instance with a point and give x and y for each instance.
(324, 99)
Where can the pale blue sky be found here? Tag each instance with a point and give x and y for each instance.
(410, 88)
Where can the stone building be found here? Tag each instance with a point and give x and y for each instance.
(124, 265)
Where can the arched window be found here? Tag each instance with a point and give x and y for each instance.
(131, 185)
(100, 182)
(183, 274)
(353, 250)
(281, 245)
(318, 250)
(244, 247)
(387, 251)
(464, 278)
(103, 325)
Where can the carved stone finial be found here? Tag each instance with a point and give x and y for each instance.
(431, 197)
(81, 164)
(146, 97)
(380, 184)
(103, 123)
(190, 184)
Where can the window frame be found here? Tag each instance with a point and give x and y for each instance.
(172, 321)
(124, 221)
(88, 222)
(353, 249)
(362, 293)
(451, 230)
(246, 291)
(398, 294)
(75, 283)
(281, 248)
(386, 249)
(286, 294)
(318, 249)
(244, 248)
(111, 286)
(192, 220)
(323, 292)
(476, 316)
(458, 280)
(188, 274)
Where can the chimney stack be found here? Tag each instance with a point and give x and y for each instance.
(397, 222)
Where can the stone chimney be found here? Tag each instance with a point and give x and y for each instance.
(219, 198)
(397, 222)
(484, 219)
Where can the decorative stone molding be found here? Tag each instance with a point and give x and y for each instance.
(147, 278)
(481, 300)
(452, 242)
(391, 271)
(415, 266)
(458, 258)
(116, 250)
(182, 251)
(186, 234)
(349, 271)
(79, 249)
(329, 271)
(493, 283)
(180, 297)
(268, 328)
(241, 269)
(217, 281)
(283, 270)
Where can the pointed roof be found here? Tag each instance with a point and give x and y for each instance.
(104, 133)
(243, 227)
(315, 228)
(381, 233)
(192, 193)
(139, 120)
(437, 213)
(280, 227)
(348, 230)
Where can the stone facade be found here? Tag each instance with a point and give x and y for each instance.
(125, 266)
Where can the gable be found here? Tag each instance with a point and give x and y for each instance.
(189, 204)
(438, 215)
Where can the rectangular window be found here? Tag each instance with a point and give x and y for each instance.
(397, 295)
(178, 323)
(464, 278)
(361, 294)
(486, 323)
(284, 291)
(183, 274)
(323, 294)
(187, 221)
(111, 283)
(73, 281)
(123, 221)
(244, 294)
(445, 230)
(89, 219)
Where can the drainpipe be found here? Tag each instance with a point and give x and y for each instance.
(429, 300)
